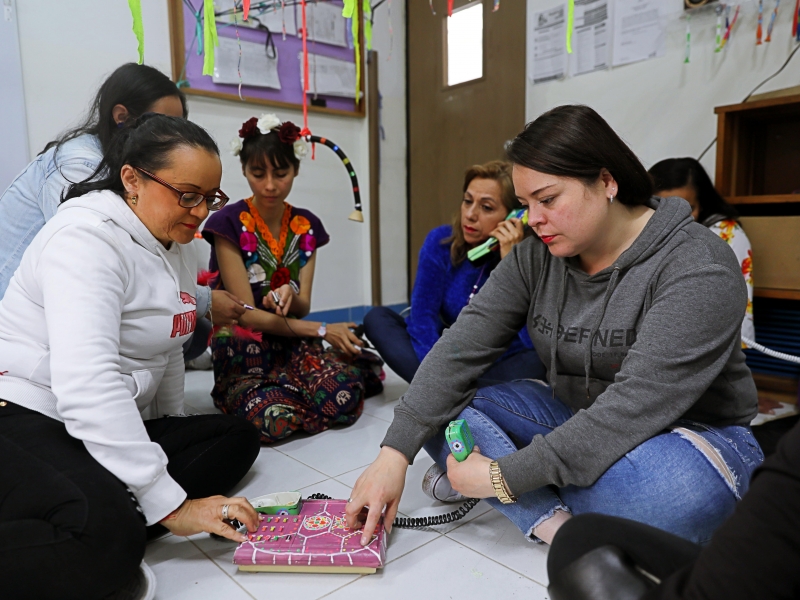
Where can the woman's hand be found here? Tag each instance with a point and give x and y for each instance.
(226, 309)
(509, 233)
(339, 336)
(281, 308)
(471, 477)
(205, 514)
(381, 485)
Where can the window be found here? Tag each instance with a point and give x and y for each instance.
(465, 44)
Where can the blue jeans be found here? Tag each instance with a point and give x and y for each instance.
(666, 482)
(389, 334)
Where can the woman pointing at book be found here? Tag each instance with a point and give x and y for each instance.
(646, 407)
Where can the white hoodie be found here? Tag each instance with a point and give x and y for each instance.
(91, 330)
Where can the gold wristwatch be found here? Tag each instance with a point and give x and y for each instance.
(499, 484)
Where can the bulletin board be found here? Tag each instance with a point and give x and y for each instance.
(270, 59)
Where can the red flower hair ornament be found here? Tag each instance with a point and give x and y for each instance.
(288, 133)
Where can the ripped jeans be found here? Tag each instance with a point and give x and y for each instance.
(686, 480)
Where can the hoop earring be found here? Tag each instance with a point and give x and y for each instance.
(134, 200)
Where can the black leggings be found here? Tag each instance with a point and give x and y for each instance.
(71, 529)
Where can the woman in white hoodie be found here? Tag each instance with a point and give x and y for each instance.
(91, 329)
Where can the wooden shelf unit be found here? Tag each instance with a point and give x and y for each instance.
(758, 169)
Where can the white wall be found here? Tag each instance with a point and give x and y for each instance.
(13, 132)
(68, 48)
(664, 108)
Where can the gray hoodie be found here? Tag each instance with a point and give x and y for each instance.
(664, 322)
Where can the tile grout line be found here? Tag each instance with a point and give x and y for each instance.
(496, 561)
(239, 585)
(355, 580)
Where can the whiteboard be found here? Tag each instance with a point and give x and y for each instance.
(13, 125)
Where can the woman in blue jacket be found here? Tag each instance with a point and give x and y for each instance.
(446, 281)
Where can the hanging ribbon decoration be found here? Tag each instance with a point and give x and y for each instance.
(449, 8)
(570, 24)
(245, 8)
(305, 131)
(795, 29)
(772, 21)
(210, 36)
(759, 30)
(350, 11)
(367, 25)
(496, 6)
(138, 27)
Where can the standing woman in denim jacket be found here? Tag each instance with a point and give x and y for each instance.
(34, 196)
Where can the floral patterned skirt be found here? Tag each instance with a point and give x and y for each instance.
(283, 384)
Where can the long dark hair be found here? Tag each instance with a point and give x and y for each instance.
(574, 141)
(147, 144)
(672, 173)
(496, 170)
(136, 87)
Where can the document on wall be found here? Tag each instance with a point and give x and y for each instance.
(329, 76)
(591, 37)
(273, 18)
(326, 24)
(639, 30)
(258, 68)
(547, 50)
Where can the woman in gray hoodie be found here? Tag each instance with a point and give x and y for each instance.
(636, 310)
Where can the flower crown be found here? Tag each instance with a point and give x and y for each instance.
(288, 133)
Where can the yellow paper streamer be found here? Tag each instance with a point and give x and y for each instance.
(210, 36)
(570, 24)
(138, 26)
(349, 12)
(368, 24)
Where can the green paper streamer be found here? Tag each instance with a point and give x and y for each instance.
(210, 36)
(138, 26)
(570, 24)
(349, 12)
(368, 24)
(357, 48)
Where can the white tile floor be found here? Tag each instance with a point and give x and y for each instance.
(482, 556)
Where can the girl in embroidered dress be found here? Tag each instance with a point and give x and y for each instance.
(686, 178)
(278, 375)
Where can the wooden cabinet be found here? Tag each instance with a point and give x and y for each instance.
(758, 170)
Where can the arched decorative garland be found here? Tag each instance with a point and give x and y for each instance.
(356, 215)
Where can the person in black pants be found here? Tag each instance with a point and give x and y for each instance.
(754, 554)
(91, 333)
(71, 529)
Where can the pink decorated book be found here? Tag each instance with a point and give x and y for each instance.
(317, 540)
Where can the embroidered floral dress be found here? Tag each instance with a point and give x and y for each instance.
(730, 231)
(282, 384)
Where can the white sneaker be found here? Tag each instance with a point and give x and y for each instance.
(437, 486)
(202, 362)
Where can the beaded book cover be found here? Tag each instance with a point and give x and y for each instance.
(317, 540)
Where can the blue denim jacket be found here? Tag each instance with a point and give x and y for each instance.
(33, 198)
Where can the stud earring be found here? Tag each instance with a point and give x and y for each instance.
(134, 200)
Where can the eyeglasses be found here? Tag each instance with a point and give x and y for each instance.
(191, 199)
